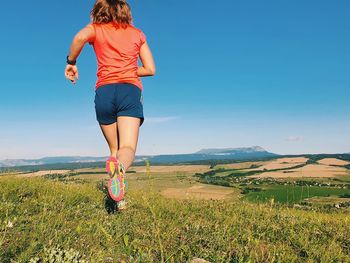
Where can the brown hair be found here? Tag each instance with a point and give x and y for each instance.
(117, 11)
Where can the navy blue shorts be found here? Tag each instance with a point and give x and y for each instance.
(118, 99)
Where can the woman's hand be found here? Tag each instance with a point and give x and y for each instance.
(71, 73)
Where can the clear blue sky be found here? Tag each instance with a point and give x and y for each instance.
(230, 74)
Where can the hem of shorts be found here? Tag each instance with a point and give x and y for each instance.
(121, 115)
(106, 123)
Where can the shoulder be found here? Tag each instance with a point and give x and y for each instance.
(140, 35)
(138, 30)
(90, 31)
(99, 25)
(92, 27)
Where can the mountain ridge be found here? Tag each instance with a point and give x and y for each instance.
(228, 150)
(203, 154)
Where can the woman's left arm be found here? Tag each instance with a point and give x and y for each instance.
(85, 35)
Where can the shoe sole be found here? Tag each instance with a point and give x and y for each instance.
(115, 189)
(116, 184)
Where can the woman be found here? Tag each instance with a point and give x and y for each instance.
(118, 95)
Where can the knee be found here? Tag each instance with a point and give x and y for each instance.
(128, 148)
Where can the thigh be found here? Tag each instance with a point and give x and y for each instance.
(128, 130)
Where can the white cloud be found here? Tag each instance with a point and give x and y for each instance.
(160, 119)
(294, 138)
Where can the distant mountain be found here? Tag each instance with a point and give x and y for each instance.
(228, 151)
(254, 152)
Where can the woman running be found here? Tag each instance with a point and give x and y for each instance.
(118, 94)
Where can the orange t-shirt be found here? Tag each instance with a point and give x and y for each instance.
(117, 50)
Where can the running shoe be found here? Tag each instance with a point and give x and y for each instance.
(111, 169)
(116, 183)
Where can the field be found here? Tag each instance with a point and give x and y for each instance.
(178, 213)
(295, 194)
(286, 180)
(310, 170)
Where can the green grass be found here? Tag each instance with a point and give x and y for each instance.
(39, 217)
(293, 194)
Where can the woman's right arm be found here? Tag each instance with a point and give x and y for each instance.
(148, 67)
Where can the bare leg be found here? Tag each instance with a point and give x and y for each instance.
(110, 133)
(128, 128)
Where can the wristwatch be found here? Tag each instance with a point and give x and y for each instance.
(71, 62)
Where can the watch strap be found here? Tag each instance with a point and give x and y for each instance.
(71, 62)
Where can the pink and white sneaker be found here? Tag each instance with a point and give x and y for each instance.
(116, 183)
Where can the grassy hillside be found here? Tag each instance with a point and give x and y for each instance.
(45, 220)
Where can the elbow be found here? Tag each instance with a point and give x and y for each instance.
(152, 71)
